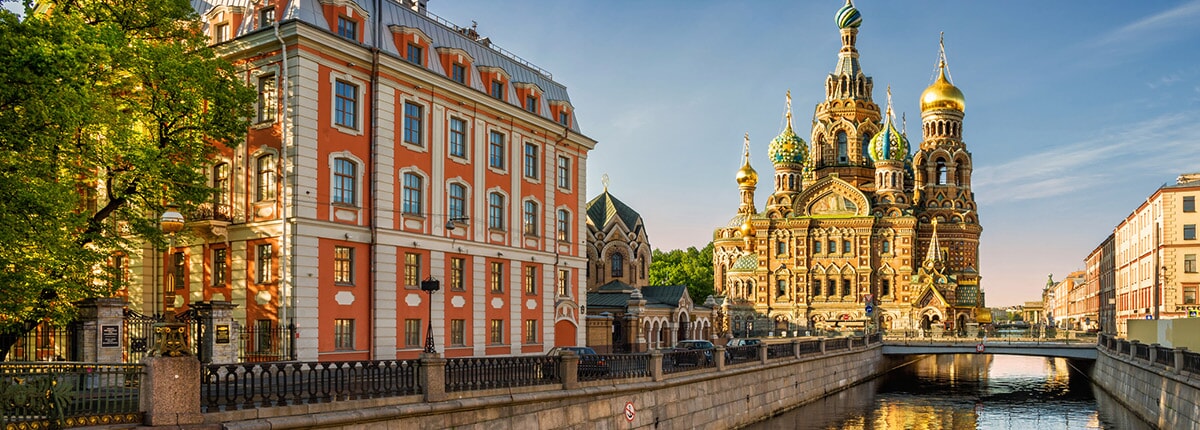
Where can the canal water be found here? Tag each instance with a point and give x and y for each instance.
(947, 392)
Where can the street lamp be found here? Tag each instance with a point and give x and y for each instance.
(172, 335)
(430, 285)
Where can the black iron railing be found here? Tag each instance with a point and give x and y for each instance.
(481, 373)
(1191, 362)
(69, 394)
(252, 385)
(679, 361)
(47, 342)
(613, 366)
(1164, 356)
(1124, 346)
(779, 350)
(1141, 351)
(741, 354)
(837, 343)
(809, 346)
(261, 344)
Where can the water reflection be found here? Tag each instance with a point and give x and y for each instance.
(967, 392)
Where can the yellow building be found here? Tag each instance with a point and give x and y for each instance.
(854, 220)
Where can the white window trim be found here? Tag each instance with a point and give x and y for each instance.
(426, 132)
(570, 168)
(281, 109)
(359, 172)
(507, 152)
(507, 209)
(359, 84)
(466, 198)
(540, 169)
(253, 196)
(540, 213)
(425, 190)
(465, 159)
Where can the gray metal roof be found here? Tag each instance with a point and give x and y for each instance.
(442, 32)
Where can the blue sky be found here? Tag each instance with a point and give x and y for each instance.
(1076, 111)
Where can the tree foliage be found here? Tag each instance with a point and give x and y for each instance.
(109, 110)
(691, 267)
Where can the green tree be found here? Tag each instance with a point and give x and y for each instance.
(109, 110)
(691, 267)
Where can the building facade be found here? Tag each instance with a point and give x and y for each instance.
(857, 230)
(1150, 260)
(389, 147)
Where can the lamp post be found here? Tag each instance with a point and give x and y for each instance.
(430, 285)
(172, 335)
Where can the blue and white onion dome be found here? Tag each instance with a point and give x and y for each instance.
(889, 144)
(848, 16)
(788, 147)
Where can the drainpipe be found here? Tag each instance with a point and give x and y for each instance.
(285, 283)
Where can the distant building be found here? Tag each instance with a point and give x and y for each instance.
(855, 219)
(625, 314)
(389, 147)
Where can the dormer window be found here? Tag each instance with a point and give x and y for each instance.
(266, 17)
(416, 54)
(498, 90)
(221, 32)
(347, 28)
(564, 118)
(531, 103)
(458, 73)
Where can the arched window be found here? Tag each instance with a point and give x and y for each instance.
(833, 247)
(414, 193)
(885, 287)
(845, 287)
(942, 172)
(564, 225)
(831, 287)
(817, 246)
(885, 246)
(265, 168)
(841, 148)
(531, 218)
(496, 211)
(345, 181)
(458, 201)
(617, 263)
(816, 287)
(780, 287)
(220, 182)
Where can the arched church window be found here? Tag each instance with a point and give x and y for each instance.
(617, 263)
(886, 246)
(942, 172)
(841, 147)
(780, 287)
(816, 246)
(816, 287)
(831, 288)
(845, 287)
(885, 287)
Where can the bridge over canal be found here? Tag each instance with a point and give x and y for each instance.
(1066, 348)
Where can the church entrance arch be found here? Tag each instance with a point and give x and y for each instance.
(929, 317)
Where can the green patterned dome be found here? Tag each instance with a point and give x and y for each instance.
(890, 144)
(848, 16)
(788, 148)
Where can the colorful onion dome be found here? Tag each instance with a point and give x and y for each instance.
(788, 147)
(848, 16)
(890, 143)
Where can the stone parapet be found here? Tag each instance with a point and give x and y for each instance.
(1165, 397)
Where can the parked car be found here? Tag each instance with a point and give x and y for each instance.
(590, 363)
(703, 352)
(742, 348)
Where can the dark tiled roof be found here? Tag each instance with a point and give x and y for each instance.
(602, 209)
(607, 300)
(668, 294)
(615, 286)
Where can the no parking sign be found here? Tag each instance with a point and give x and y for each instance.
(629, 412)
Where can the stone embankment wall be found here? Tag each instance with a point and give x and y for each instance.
(701, 399)
(1165, 396)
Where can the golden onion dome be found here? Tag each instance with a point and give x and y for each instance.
(942, 94)
(747, 230)
(746, 176)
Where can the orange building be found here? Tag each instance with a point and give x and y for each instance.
(398, 148)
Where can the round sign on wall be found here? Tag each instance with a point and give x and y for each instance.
(629, 412)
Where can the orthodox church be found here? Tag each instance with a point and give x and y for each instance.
(859, 231)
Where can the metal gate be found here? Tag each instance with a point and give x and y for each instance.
(139, 335)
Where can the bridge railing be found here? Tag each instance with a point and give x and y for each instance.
(1179, 360)
(37, 395)
(225, 387)
(482, 373)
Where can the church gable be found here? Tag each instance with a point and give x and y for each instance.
(832, 197)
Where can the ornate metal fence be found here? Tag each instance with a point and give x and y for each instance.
(138, 336)
(1164, 356)
(809, 347)
(252, 385)
(779, 350)
(837, 343)
(69, 394)
(47, 342)
(613, 366)
(262, 343)
(679, 361)
(1141, 351)
(741, 354)
(481, 373)
(1191, 362)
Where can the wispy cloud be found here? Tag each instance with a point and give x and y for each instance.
(1162, 144)
(1159, 26)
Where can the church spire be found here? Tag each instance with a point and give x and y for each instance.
(934, 255)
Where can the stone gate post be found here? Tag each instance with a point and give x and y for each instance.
(103, 326)
(221, 336)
